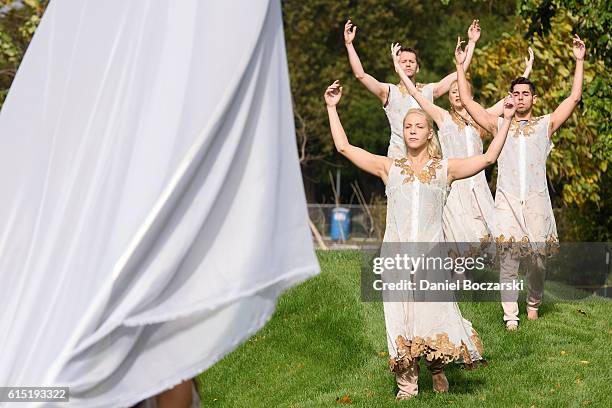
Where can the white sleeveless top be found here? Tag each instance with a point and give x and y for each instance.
(398, 103)
(522, 204)
(469, 211)
(522, 162)
(415, 201)
(460, 140)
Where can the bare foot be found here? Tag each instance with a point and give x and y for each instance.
(178, 397)
(532, 314)
(440, 383)
(512, 325)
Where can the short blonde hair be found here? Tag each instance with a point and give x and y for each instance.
(433, 145)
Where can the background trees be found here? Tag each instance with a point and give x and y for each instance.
(577, 169)
(578, 178)
(316, 54)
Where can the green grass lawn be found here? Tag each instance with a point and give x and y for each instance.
(324, 347)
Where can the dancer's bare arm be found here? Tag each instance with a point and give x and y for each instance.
(372, 163)
(528, 63)
(432, 110)
(444, 84)
(485, 119)
(462, 168)
(565, 109)
(498, 108)
(379, 89)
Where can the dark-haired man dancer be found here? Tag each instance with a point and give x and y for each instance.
(522, 204)
(396, 99)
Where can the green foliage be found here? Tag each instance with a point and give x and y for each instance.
(592, 23)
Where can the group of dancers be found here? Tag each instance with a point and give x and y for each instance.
(437, 192)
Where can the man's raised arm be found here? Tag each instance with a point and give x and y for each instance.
(442, 87)
(380, 90)
(565, 109)
(485, 119)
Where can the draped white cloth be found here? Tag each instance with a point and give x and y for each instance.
(152, 206)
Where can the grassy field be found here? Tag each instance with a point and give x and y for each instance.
(324, 347)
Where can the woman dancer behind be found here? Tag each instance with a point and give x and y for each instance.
(468, 214)
(395, 98)
(416, 187)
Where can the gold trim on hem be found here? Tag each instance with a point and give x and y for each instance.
(438, 347)
(525, 247)
(472, 251)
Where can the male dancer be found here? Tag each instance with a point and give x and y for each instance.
(522, 203)
(396, 99)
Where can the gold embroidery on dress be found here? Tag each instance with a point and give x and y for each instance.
(404, 91)
(486, 239)
(467, 250)
(477, 342)
(516, 129)
(525, 247)
(426, 174)
(438, 347)
(463, 122)
(460, 120)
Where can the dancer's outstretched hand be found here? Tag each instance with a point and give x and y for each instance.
(395, 49)
(509, 107)
(333, 93)
(350, 30)
(528, 63)
(578, 47)
(474, 31)
(459, 52)
(529, 60)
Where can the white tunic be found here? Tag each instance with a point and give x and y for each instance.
(414, 214)
(398, 103)
(522, 204)
(468, 214)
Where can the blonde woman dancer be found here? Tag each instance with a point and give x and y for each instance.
(416, 187)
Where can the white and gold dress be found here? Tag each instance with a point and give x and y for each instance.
(469, 212)
(523, 210)
(434, 330)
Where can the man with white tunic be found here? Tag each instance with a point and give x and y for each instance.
(522, 204)
(396, 99)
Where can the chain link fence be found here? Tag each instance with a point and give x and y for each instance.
(367, 223)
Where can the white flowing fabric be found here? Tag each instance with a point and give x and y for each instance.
(152, 205)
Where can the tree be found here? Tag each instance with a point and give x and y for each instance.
(316, 56)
